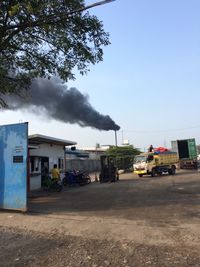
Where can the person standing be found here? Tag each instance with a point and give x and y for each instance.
(55, 173)
(151, 149)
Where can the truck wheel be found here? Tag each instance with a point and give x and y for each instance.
(140, 175)
(172, 171)
(153, 172)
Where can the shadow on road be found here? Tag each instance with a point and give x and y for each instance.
(130, 198)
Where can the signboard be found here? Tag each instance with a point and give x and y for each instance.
(13, 166)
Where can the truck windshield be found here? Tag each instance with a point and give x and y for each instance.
(140, 159)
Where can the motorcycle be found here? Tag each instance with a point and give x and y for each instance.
(52, 185)
(74, 178)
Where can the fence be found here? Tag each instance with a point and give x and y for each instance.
(94, 165)
(90, 165)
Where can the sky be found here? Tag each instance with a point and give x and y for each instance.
(148, 82)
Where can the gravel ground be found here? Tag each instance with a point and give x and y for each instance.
(135, 222)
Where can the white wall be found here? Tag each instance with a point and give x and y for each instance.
(35, 182)
(53, 152)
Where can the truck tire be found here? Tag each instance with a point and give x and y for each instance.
(140, 175)
(153, 172)
(172, 171)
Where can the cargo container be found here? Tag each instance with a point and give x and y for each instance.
(187, 152)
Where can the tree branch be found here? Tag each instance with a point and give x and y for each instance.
(52, 19)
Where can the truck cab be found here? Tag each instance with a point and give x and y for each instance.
(143, 164)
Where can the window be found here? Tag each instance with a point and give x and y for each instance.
(61, 163)
(35, 164)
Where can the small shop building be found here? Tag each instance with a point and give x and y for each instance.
(44, 152)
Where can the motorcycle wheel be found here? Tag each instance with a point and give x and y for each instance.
(64, 182)
(59, 188)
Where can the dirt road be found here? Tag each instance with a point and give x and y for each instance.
(134, 222)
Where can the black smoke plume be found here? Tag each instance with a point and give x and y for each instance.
(58, 102)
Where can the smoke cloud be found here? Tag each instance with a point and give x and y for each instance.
(52, 98)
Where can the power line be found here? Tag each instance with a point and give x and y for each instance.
(163, 131)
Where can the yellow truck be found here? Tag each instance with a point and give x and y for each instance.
(153, 163)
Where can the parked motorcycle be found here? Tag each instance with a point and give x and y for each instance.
(73, 178)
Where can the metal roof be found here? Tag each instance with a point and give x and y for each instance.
(37, 139)
(78, 153)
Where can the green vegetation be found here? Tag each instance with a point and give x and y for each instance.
(45, 38)
(124, 156)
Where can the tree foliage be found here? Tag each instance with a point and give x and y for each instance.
(124, 155)
(45, 38)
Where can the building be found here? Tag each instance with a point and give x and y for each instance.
(87, 159)
(96, 152)
(44, 152)
(73, 153)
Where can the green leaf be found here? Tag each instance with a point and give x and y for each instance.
(13, 10)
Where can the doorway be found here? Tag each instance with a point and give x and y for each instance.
(44, 168)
